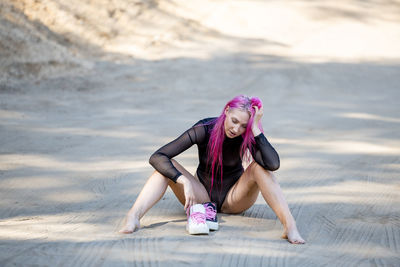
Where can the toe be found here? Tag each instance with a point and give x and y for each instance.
(125, 231)
(296, 241)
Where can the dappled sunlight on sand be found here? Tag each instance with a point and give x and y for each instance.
(350, 192)
(8, 114)
(393, 166)
(120, 133)
(367, 116)
(319, 35)
(352, 146)
(64, 226)
(41, 182)
(69, 196)
(343, 146)
(14, 161)
(368, 250)
(200, 29)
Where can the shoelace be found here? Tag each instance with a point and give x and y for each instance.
(210, 213)
(198, 217)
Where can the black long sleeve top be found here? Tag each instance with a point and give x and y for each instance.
(264, 154)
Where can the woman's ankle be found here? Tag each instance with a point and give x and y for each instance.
(290, 225)
(133, 216)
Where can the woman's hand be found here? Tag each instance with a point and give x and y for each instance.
(190, 198)
(257, 117)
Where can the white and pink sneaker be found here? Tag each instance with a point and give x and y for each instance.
(196, 223)
(211, 215)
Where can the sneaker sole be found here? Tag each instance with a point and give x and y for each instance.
(212, 225)
(198, 230)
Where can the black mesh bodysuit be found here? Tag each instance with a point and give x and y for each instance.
(264, 154)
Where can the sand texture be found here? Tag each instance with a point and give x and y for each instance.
(86, 98)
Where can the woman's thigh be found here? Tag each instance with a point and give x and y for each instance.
(243, 193)
(199, 190)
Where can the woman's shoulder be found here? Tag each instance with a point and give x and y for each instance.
(204, 125)
(206, 122)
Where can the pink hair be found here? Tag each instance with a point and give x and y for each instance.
(217, 136)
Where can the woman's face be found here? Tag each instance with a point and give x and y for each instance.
(235, 122)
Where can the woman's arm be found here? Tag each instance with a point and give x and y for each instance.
(264, 153)
(161, 159)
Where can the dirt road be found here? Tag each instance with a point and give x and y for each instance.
(75, 141)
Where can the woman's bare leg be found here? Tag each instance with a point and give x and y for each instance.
(245, 192)
(153, 191)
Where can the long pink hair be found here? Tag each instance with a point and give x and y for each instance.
(217, 136)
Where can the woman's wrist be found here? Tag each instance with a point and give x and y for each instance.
(256, 131)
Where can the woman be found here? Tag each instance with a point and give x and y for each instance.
(220, 183)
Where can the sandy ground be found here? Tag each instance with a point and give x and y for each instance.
(74, 148)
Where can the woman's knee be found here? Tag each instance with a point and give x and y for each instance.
(158, 175)
(258, 171)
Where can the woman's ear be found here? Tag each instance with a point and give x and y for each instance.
(226, 110)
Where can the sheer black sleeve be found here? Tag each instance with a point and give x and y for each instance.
(265, 154)
(161, 159)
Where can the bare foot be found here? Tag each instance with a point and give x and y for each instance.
(293, 236)
(132, 224)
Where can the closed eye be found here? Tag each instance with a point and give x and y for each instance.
(235, 121)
